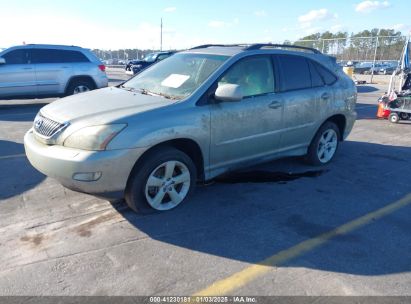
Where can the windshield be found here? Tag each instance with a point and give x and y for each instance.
(177, 76)
(150, 57)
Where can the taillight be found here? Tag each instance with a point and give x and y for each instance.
(102, 67)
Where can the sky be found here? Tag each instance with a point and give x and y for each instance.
(113, 25)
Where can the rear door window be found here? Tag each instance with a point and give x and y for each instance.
(17, 57)
(294, 72)
(57, 56)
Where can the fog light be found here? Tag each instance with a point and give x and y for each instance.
(86, 176)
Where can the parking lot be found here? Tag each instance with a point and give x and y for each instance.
(283, 228)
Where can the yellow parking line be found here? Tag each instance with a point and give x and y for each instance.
(248, 274)
(12, 156)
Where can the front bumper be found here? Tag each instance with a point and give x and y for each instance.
(63, 163)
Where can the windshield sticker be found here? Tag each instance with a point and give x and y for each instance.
(174, 80)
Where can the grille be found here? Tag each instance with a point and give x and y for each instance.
(45, 126)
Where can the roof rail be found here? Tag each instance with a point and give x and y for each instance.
(217, 45)
(261, 45)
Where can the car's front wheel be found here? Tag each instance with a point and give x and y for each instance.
(324, 145)
(161, 181)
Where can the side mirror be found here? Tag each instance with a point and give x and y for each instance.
(2, 60)
(229, 92)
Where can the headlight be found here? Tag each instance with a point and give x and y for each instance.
(93, 138)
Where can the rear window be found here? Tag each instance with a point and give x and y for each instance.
(57, 56)
(316, 78)
(328, 77)
(294, 72)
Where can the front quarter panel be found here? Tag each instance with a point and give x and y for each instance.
(178, 121)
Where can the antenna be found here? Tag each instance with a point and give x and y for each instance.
(161, 34)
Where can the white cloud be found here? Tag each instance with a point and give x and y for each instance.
(368, 6)
(316, 15)
(170, 9)
(260, 13)
(306, 21)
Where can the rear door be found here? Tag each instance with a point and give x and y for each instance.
(300, 101)
(17, 74)
(52, 70)
(247, 129)
(325, 93)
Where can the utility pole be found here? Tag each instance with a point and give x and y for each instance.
(375, 57)
(161, 34)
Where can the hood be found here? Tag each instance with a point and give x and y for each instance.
(102, 106)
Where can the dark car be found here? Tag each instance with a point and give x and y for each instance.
(137, 66)
(130, 63)
(366, 68)
(388, 69)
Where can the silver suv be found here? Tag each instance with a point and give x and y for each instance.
(191, 117)
(49, 70)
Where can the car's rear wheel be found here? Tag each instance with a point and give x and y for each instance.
(324, 145)
(161, 181)
(80, 86)
(394, 118)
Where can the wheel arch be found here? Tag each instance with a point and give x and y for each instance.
(185, 145)
(79, 78)
(340, 120)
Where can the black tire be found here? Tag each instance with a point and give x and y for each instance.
(312, 156)
(135, 194)
(394, 118)
(77, 83)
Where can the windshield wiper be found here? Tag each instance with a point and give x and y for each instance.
(130, 89)
(147, 92)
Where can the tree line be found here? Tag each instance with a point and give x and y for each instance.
(384, 44)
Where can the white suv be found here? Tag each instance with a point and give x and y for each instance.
(49, 70)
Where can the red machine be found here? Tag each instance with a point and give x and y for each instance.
(383, 111)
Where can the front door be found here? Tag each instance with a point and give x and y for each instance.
(247, 129)
(17, 75)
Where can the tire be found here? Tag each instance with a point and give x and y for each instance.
(80, 86)
(324, 145)
(167, 190)
(394, 118)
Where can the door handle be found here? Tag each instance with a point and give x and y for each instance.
(325, 96)
(275, 105)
